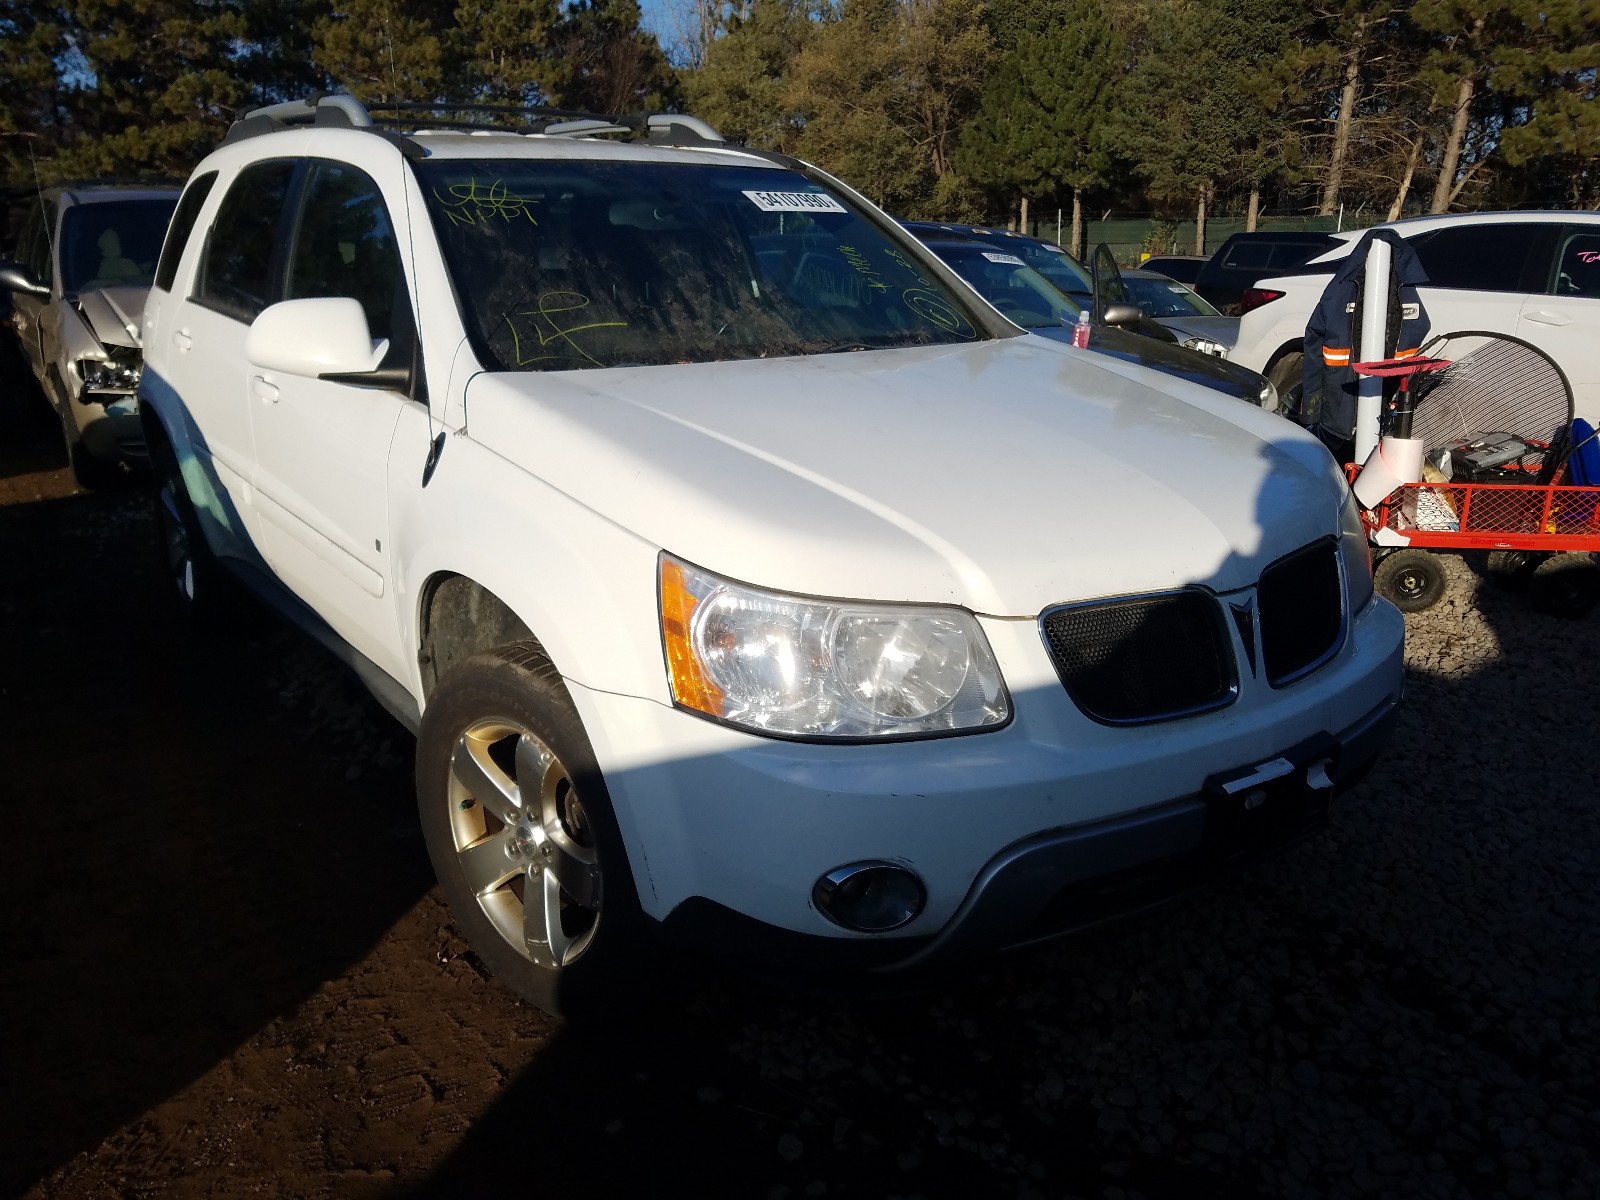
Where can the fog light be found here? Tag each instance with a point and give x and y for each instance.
(869, 897)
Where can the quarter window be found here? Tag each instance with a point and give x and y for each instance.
(1578, 270)
(345, 246)
(236, 273)
(194, 198)
(1481, 258)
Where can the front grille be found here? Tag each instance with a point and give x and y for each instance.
(1302, 624)
(1150, 658)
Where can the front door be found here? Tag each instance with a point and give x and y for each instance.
(322, 448)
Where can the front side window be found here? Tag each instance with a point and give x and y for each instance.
(236, 272)
(112, 243)
(1166, 298)
(345, 246)
(572, 265)
(1480, 258)
(1578, 267)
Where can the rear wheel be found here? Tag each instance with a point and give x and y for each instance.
(206, 595)
(522, 835)
(1412, 580)
(1566, 585)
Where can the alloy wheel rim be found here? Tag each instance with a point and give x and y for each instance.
(524, 842)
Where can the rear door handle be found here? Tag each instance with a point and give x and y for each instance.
(263, 390)
(1541, 317)
(182, 340)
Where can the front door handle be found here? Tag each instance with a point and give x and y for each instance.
(263, 390)
(182, 340)
(1541, 317)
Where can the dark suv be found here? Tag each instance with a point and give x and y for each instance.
(1247, 257)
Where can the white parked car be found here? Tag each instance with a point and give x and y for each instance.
(1535, 275)
(741, 574)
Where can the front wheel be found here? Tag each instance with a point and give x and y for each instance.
(1412, 580)
(522, 835)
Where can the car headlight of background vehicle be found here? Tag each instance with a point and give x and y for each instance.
(1355, 552)
(821, 669)
(1207, 346)
(99, 375)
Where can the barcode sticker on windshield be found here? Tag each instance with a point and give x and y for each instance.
(1010, 260)
(795, 202)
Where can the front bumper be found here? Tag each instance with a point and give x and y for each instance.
(728, 832)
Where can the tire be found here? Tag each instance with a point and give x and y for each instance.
(1411, 580)
(1566, 585)
(1513, 569)
(206, 595)
(544, 895)
(1287, 377)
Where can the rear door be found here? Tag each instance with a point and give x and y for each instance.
(322, 448)
(1480, 275)
(1565, 320)
(202, 359)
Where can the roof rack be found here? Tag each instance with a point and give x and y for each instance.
(340, 109)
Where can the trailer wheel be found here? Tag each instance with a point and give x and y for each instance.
(1566, 585)
(1411, 580)
(1513, 569)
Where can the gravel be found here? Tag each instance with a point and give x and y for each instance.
(1407, 1005)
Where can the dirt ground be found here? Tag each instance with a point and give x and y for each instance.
(226, 971)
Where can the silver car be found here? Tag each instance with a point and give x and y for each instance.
(1198, 325)
(86, 257)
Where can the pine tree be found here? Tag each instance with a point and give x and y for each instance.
(1049, 118)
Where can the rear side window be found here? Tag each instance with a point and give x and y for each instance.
(1481, 258)
(194, 198)
(236, 272)
(1578, 269)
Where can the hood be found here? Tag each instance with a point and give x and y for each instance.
(1224, 330)
(114, 314)
(1169, 358)
(1004, 476)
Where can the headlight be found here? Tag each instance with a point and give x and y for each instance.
(98, 375)
(1267, 397)
(823, 669)
(1207, 346)
(1355, 552)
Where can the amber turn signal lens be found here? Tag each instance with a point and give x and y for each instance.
(691, 686)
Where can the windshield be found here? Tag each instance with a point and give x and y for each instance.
(113, 244)
(1051, 261)
(563, 265)
(1026, 297)
(1166, 298)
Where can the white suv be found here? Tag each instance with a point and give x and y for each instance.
(1535, 275)
(741, 572)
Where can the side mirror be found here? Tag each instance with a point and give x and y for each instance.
(1123, 316)
(315, 338)
(14, 277)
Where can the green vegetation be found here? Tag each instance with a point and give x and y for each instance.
(955, 109)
